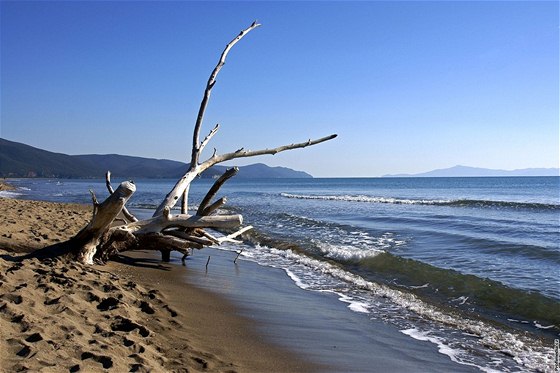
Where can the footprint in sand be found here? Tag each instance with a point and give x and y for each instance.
(105, 361)
(126, 325)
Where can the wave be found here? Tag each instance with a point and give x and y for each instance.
(441, 202)
(458, 290)
(371, 258)
(8, 194)
(408, 311)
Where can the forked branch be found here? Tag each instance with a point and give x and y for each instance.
(196, 148)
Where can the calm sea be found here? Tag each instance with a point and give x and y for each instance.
(469, 264)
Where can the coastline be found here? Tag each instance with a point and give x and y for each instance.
(339, 327)
(121, 316)
(227, 317)
(318, 324)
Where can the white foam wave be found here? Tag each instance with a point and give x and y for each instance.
(419, 286)
(461, 300)
(442, 347)
(9, 194)
(369, 199)
(356, 306)
(299, 283)
(346, 252)
(356, 246)
(542, 326)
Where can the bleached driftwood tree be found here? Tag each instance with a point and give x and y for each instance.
(103, 237)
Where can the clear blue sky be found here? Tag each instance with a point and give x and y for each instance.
(408, 86)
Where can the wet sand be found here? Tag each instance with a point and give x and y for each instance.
(318, 324)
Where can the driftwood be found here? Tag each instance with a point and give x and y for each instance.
(114, 229)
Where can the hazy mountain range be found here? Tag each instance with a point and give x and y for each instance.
(20, 160)
(465, 171)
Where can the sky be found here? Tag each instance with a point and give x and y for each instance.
(407, 86)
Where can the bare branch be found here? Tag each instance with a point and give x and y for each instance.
(89, 237)
(187, 237)
(184, 205)
(238, 253)
(247, 153)
(213, 207)
(181, 188)
(207, 235)
(185, 200)
(126, 213)
(95, 203)
(217, 185)
(167, 214)
(230, 238)
(211, 81)
(93, 198)
(208, 138)
(159, 241)
(183, 183)
(159, 223)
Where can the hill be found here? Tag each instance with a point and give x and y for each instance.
(20, 160)
(465, 171)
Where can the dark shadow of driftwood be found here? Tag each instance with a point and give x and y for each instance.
(58, 250)
(63, 251)
(141, 262)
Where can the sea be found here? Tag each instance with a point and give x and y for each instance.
(471, 265)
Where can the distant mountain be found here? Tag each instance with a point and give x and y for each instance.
(465, 171)
(254, 170)
(20, 160)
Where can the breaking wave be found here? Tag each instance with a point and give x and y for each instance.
(440, 202)
(459, 336)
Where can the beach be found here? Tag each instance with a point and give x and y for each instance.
(138, 314)
(58, 316)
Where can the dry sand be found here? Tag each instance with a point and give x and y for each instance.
(57, 316)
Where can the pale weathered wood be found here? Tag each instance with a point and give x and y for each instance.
(213, 207)
(188, 237)
(126, 213)
(160, 223)
(209, 85)
(89, 237)
(214, 189)
(230, 238)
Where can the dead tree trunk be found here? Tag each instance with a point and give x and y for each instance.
(103, 238)
(89, 238)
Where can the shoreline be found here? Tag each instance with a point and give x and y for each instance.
(63, 315)
(321, 285)
(317, 323)
(227, 317)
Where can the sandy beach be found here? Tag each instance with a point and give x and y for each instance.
(134, 316)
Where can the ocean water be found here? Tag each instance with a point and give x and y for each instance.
(469, 264)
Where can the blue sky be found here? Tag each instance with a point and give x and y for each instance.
(408, 86)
